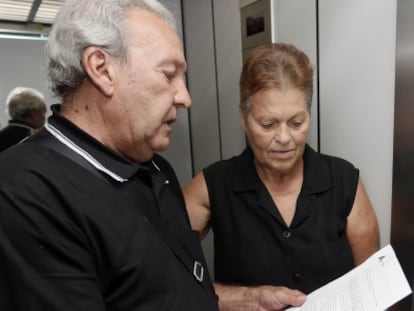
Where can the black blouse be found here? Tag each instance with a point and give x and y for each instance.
(252, 243)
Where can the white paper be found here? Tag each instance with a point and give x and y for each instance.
(375, 285)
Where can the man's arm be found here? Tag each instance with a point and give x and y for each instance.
(45, 266)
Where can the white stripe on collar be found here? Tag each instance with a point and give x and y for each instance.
(159, 170)
(21, 125)
(84, 154)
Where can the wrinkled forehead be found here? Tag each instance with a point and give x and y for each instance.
(143, 22)
(150, 35)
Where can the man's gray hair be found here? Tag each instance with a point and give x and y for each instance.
(83, 23)
(23, 101)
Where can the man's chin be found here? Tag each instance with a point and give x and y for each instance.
(161, 146)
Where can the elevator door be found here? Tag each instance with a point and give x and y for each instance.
(402, 222)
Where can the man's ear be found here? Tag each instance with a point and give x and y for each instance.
(98, 65)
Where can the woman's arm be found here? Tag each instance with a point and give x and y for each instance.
(198, 204)
(362, 227)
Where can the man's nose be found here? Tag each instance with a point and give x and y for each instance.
(182, 97)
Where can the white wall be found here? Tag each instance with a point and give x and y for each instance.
(294, 22)
(21, 64)
(357, 77)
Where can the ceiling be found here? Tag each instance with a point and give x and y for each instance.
(28, 12)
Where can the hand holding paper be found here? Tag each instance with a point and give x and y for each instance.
(375, 285)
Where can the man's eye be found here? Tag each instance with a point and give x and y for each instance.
(169, 76)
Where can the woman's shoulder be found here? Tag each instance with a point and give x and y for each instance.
(321, 166)
(338, 162)
(334, 161)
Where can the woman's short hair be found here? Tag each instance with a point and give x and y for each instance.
(81, 24)
(22, 102)
(275, 65)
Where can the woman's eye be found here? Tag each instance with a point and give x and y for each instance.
(267, 125)
(296, 124)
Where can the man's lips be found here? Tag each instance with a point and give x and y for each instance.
(171, 121)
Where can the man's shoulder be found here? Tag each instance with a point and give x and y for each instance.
(21, 157)
(13, 133)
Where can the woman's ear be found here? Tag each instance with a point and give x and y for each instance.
(98, 65)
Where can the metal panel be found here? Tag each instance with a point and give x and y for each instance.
(199, 43)
(213, 48)
(229, 65)
(179, 151)
(402, 224)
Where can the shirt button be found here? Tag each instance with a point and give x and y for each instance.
(296, 277)
(286, 234)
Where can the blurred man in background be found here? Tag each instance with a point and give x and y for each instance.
(26, 108)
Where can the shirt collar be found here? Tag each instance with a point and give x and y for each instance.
(19, 123)
(103, 159)
(245, 176)
(316, 172)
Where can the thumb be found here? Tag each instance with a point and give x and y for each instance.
(296, 298)
(291, 297)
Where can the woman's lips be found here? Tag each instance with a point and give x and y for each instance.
(282, 154)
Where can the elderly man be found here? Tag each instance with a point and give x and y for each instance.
(91, 217)
(27, 110)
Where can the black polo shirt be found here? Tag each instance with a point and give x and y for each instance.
(254, 246)
(82, 228)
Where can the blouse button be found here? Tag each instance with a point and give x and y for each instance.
(286, 234)
(296, 277)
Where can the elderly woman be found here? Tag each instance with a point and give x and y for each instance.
(282, 214)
